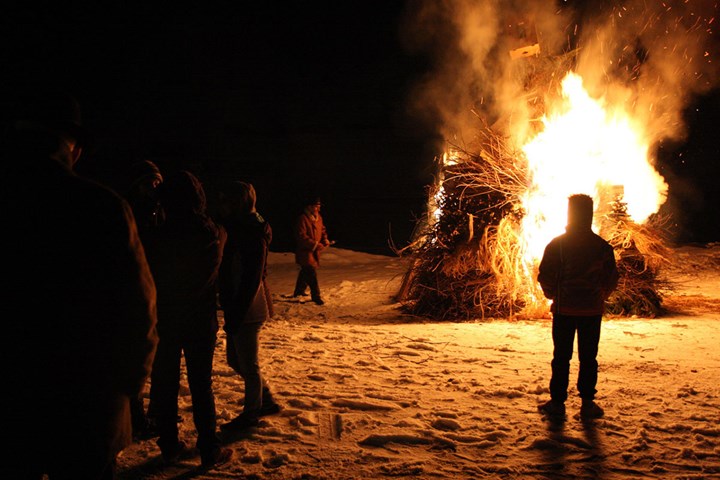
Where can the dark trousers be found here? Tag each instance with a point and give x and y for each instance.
(563, 334)
(243, 358)
(137, 413)
(307, 277)
(165, 378)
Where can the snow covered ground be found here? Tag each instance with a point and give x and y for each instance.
(369, 392)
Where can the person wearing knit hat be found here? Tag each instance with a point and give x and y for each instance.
(310, 239)
(46, 110)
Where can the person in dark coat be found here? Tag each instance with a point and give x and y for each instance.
(578, 273)
(184, 255)
(245, 299)
(310, 239)
(78, 302)
(141, 192)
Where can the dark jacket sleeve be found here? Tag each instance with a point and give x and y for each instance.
(225, 275)
(136, 335)
(611, 275)
(549, 271)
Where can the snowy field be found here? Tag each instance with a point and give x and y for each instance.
(369, 392)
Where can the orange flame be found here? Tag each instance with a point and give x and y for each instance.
(586, 147)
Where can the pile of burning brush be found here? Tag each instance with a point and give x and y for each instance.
(466, 261)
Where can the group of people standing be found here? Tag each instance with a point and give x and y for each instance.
(101, 293)
(107, 288)
(198, 264)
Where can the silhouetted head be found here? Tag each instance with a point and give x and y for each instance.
(239, 197)
(580, 211)
(182, 194)
(312, 200)
(144, 174)
(47, 108)
(45, 120)
(312, 204)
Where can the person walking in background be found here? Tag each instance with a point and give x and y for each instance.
(310, 239)
(184, 254)
(578, 273)
(141, 194)
(78, 301)
(245, 299)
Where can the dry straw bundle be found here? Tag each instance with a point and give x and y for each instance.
(641, 254)
(465, 257)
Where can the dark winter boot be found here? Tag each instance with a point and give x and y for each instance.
(269, 405)
(590, 410)
(553, 409)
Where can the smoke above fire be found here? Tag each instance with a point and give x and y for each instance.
(654, 57)
(632, 69)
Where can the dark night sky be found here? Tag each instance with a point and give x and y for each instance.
(291, 96)
(692, 169)
(288, 95)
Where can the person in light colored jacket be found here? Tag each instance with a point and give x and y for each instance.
(245, 299)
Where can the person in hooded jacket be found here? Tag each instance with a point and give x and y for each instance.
(245, 299)
(78, 301)
(184, 253)
(141, 191)
(578, 273)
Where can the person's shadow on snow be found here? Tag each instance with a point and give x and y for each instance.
(597, 457)
(186, 468)
(183, 470)
(564, 453)
(552, 449)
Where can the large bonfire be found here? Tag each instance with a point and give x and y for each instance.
(501, 196)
